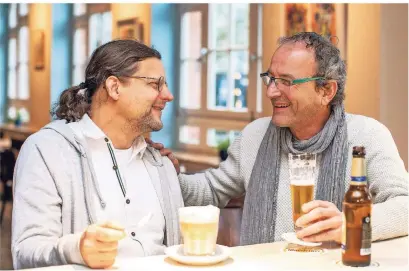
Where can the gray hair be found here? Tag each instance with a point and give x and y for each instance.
(328, 59)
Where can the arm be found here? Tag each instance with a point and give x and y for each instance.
(37, 238)
(215, 186)
(388, 184)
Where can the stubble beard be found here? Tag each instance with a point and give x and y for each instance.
(144, 123)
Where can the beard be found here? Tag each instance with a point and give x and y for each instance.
(144, 123)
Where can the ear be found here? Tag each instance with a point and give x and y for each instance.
(112, 87)
(329, 90)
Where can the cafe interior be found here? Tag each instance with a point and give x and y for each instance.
(212, 54)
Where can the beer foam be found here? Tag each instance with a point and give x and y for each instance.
(303, 182)
(199, 214)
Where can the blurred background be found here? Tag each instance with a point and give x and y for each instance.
(213, 54)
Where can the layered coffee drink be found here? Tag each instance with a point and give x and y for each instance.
(199, 226)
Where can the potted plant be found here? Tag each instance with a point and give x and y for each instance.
(222, 148)
(18, 119)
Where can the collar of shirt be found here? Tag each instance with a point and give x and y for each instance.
(93, 132)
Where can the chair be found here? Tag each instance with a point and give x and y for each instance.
(7, 163)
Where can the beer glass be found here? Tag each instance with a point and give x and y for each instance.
(199, 226)
(302, 181)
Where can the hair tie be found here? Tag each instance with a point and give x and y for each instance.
(90, 84)
(83, 85)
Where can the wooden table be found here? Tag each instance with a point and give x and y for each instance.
(386, 255)
(17, 133)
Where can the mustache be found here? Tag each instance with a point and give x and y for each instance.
(160, 104)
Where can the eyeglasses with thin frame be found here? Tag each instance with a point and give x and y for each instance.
(160, 82)
(282, 83)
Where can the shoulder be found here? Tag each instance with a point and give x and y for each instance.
(257, 127)
(44, 138)
(47, 142)
(374, 136)
(365, 127)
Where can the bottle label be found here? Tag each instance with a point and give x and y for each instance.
(358, 179)
(366, 236)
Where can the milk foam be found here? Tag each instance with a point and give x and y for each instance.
(199, 214)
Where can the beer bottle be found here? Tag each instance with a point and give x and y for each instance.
(357, 206)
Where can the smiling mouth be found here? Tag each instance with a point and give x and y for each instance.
(281, 106)
(160, 108)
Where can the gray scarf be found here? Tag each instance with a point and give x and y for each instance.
(260, 206)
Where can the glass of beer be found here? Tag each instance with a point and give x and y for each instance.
(199, 226)
(302, 181)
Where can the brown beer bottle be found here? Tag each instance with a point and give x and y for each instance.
(357, 207)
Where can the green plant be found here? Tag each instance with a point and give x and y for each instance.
(223, 145)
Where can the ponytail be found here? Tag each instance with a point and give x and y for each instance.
(72, 105)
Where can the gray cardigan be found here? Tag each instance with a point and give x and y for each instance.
(387, 177)
(54, 184)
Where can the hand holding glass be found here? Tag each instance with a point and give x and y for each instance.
(302, 181)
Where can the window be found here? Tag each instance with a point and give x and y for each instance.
(220, 90)
(79, 56)
(18, 90)
(214, 136)
(100, 30)
(92, 28)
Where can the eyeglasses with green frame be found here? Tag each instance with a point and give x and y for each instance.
(281, 83)
(159, 81)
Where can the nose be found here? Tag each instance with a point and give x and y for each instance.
(166, 94)
(272, 91)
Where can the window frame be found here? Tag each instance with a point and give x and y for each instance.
(13, 33)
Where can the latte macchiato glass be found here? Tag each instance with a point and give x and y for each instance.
(302, 181)
(199, 226)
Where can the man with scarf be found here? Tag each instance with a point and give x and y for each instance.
(306, 85)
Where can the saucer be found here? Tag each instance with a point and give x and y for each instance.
(290, 237)
(176, 253)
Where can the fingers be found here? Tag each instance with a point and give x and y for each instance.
(320, 227)
(175, 162)
(157, 146)
(102, 256)
(99, 244)
(329, 235)
(165, 152)
(316, 214)
(101, 261)
(307, 207)
(172, 158)
(91, 232)
(112, 225)
(108, 235)
(106, 246)
(148, 141)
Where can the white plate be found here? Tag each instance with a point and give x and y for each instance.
(176, 253)
(290, 237)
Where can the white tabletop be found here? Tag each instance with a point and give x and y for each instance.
(386, 255)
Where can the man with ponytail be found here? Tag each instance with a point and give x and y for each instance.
(88, 189)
